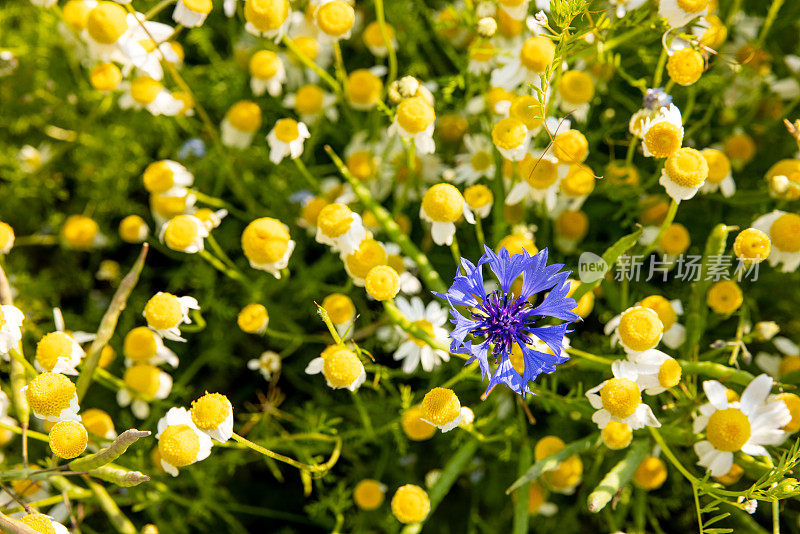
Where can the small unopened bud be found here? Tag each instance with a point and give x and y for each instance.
(766, 330)
(408, 86)
(394, 92)
(487, 27)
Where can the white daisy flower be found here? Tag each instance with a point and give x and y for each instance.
(340, 228)
(184, 233)
(663, 132)
(778, 366)
(431, 319)
(526, 62)
(165, 313)
(720, 176)
(213, 415)
(149, 93)
(286, 139)
(656, 370)
(746, 425)
(268, 364)
(783, 230)
(442, 206)
(180, 442)
(142, 345)
(168, 178)
(541, 175)
(667, 311)
(58, 352)
(620, 399)
(310, 102)
(143, 383)
(637, 329)
(477, 162)
(191, 13)
(684, 173)
(267, 73)
(340, 366)
(414, 119)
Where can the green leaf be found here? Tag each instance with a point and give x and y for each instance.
(619, 475)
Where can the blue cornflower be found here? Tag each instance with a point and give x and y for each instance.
(498, 320)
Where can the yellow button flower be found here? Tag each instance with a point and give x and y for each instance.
(253, 318)
(685, 66)
(441, 408)
(369, 494)
(639, 329)
(68, 439)
(650, 474)
(616, 435)
(724, 297)
(382, 283)
(414, 426)
(410, 504)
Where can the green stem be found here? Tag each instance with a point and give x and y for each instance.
(317, 468)
(120, 522)
(772, 14)
(20, 359)
(619, 475)
(312, 183)
(327, 78)
(215, 262)
(379, 14)
(479, 232)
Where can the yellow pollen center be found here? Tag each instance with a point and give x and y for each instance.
(415, 115)
(576, 87)
(724, 297)
(144, 89)
(342, 367)
(76, 13)
(414, 427)
(579, 181)
(368, 494)
(335, 220)
(181, 232)
(788, 364)
(51, 347)
(144, 379)
(427, 327)
(140, 345)
(382, 282)
(669, 374)
(443, 203)
(516, 243)
(68, 439)
(266, 15)
(264, 64)
(478, 196)
(265, 240)
(663, 308)
(198, 6)
(693, 6)
(640, 329)
(728, 430)
(105, 76)
(363, 87)
(107, 22)
(253, 318)
(362, 165)
(650, 474)
(210, 410)
(50, 393)
(620, 397)
(792, 402)
(370, 253)
(540, 173)
(163, 311)
(663, 138)
(340, 308)
(509, 133)
(785, 232)
(570, 147)
(97, 422)
(245, 116)
(572, 224)
(179, 445)
(335, 18)
(158, 177)
(410, 504)
(616, 435)
(480, 161)
(675, 240)
(287, 130)
(79, 231)
(719, 166)
(528, 109)
(308, 100)
(440, 406)
(687, 167)
(537, 53)
(39, 523)
(685, 66)
(311, 210)
(752, 245)
(548, 446)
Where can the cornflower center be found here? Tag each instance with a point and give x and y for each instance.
(501, 319)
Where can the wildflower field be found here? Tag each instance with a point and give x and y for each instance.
(399, 266)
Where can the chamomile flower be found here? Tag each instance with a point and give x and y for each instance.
(184, 233)
(82, 233)
(340, 228)
(681, 12)
(668, 312)
(442, 409)
(662, 132)
(480, 200)
(566, 475)
(165, 312)
(43, 523)
(267, 18)
(310, 102)
(524, 64)
(369, 494)
(286, 139)
(746, 425)
(145, 92)
(267, 73)
(575, 91)
(780, 366)
(674, 242)
(619, 399)
(442, 206)
(213, 414)
(374, 38)
(537, 501)
(58, 352)
(752, 246)
(363, 88)
(10, 328)
(511, 138)
(240, 124)
(180, 442)
(167, 177)
(410, 504)
(267, 245)
(98, 423)
(105, 77)
(68, 439)
(414, 426)
(211, 218)
(431, 318)
(415, 119)
(541, 175)
(638, 329)
(616, 436)
(335, 19)
(142, 345)
(792, 402)
(370, 253)
(164, 207)
(253, 318)
(340, 310)
(724, 297)
(685, 66)
(481, 57)
(268, 364)
(382, 283)
(783, 230)
(52, 397)
(685, 171)
(340, 366)
(6, 238)
(477, 162)
(650, 474)
(143, 383)
(720, 176)
(570, 227)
